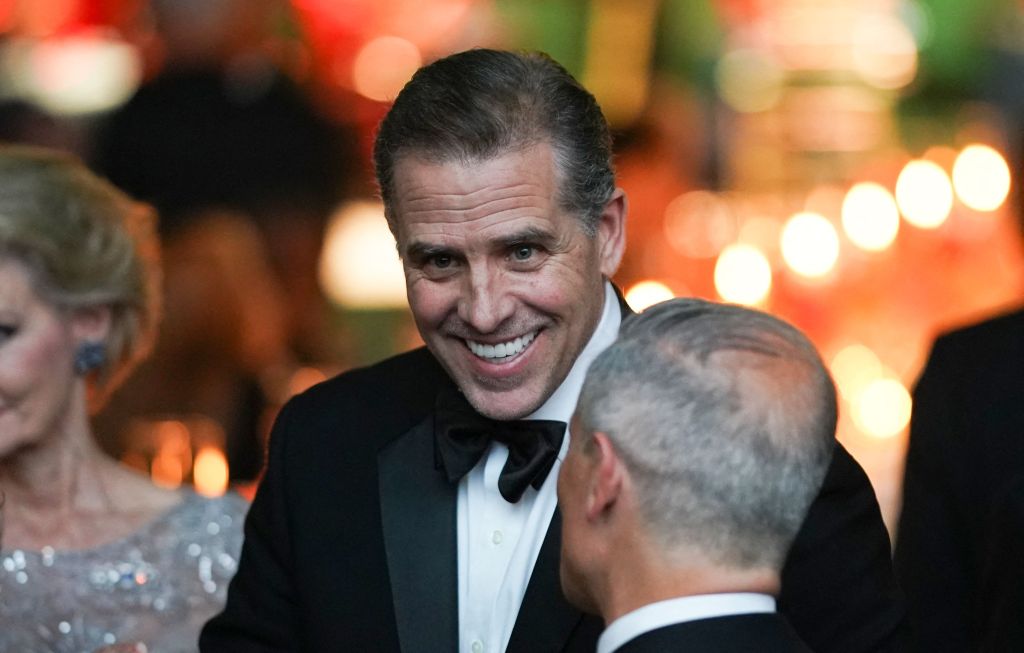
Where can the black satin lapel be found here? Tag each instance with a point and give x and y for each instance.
(545, 620)
(623, 306)
(418, 514)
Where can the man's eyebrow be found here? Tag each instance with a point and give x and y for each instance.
(419, 250)
(527, 235)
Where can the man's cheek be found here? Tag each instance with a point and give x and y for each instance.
(429, 306)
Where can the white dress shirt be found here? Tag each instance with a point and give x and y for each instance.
(674, 611)
(499, 541)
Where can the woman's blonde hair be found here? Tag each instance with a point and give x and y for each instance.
(85, 244)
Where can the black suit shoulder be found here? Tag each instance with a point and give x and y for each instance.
(963, 462)
(968, 397)
(998, 327)
(372, 404)
(981, 357)
(745, 633)
(402, 374)
(838, 588)
(313, 571)
(401, 377)
(991, 341)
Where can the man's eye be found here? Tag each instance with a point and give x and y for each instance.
(441, 261)
(522, 252)
(7, 331)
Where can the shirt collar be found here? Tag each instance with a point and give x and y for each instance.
(673, 611)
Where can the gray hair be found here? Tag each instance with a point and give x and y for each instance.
(725, 418)
(84, 244)
(480, 104)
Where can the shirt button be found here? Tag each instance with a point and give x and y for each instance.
(496, 537)
(477, 646)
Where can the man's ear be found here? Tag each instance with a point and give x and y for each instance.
(611, 233)
(607, 480)
(91, 324)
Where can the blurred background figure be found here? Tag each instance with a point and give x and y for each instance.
(223, 328)
(22, 121)
(244, 172)
(960, 546)
(691, 472)
(93, 554)
(222, 127)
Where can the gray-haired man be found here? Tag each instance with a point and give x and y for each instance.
(701, 437)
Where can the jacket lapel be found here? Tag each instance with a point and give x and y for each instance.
(545, 620)
(418, 517)
(623, 306)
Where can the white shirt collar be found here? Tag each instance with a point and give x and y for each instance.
(561, 404)
(493, 578)
(673, 611)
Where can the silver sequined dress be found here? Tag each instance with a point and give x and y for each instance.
(158, 585)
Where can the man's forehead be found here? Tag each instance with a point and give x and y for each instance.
(512, 192)
(529, 155)
(437, 197)
(444, 154)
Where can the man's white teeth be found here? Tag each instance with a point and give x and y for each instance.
(501, 350)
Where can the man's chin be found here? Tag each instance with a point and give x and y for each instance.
(496, 391)
(501, 404)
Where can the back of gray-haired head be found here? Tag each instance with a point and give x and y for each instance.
(725, 418)
(480, 104)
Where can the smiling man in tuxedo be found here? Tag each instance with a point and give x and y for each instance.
(411, 505)
(701, 437)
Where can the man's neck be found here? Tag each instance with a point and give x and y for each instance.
(637, 583)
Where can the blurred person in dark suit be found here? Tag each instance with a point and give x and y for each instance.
(959, 551)
(245, 171)
(960, 542)
(702, 435)
(223, 127)
(409, 505)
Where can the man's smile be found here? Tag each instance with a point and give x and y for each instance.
(502, 350)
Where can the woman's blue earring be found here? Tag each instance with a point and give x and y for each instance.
(89, 356)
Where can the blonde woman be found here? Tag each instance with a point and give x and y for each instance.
(92, 554)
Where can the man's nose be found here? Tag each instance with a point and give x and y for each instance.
(484, 303)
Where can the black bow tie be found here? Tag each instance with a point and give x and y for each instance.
(462, 435)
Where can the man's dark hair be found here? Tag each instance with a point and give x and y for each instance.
(479, 104)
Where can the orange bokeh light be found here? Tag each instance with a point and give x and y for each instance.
(924, 194)
(647, 293)
(210, 472)
(383, 66)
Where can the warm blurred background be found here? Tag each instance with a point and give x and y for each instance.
(850, 165)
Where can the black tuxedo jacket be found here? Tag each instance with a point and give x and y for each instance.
(960, 542)
(350, 543)
(743, 633)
